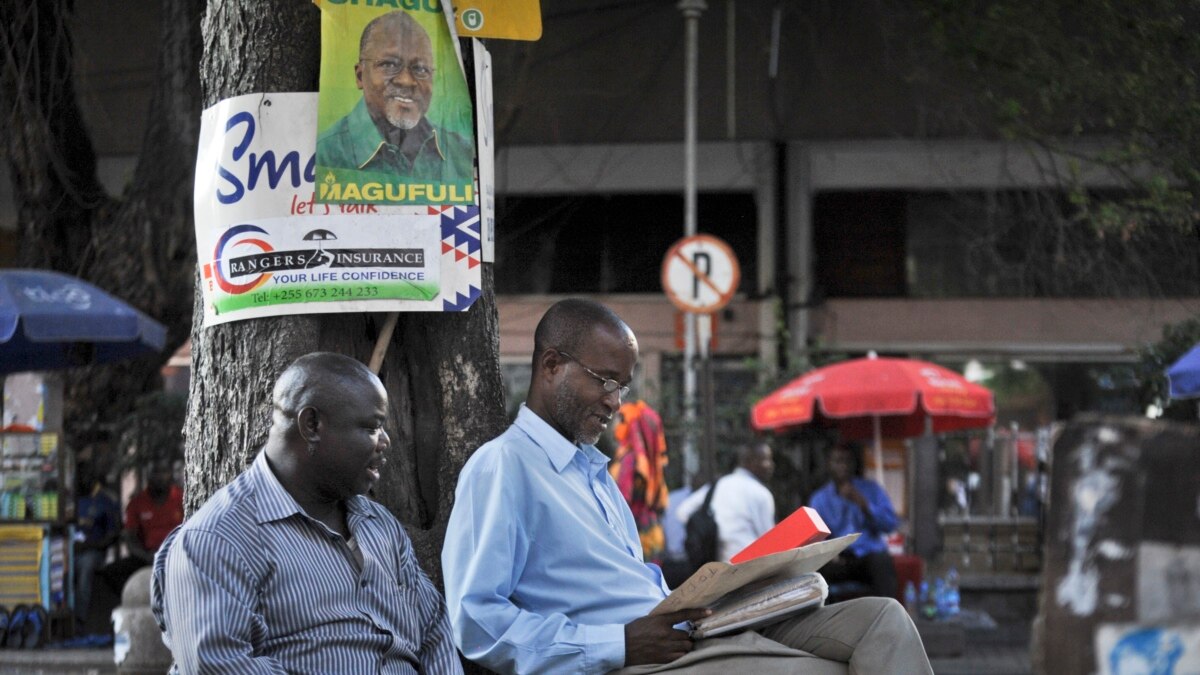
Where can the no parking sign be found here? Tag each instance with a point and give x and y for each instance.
(700, 274)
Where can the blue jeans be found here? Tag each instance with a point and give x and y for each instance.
(87, 561)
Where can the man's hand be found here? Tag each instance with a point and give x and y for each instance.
(851, 493)
(653, 639)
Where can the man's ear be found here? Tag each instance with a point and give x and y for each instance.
(308, 422)
(548, 363)
(358, 74)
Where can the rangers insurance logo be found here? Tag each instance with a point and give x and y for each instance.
(237, 239)
(243, 259)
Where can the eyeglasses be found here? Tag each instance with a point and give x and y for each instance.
(608, 384)
(392, 68)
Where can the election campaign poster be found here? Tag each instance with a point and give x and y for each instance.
(268, 247)
(394, 122)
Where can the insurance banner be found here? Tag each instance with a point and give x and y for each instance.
(268, 247)
(394, 122)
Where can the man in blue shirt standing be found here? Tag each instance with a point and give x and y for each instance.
(98, 521)
(850, 503)
(543, 566)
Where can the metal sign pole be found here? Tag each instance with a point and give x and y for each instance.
(691, 10)
(704, 325)
(700, 275)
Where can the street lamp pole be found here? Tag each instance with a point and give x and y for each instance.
(691, 10)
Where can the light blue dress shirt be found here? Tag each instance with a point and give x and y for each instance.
(542, 560)
(844, 517)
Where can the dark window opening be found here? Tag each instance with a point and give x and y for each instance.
(1005, 244)
(858, 244)
(611, 243)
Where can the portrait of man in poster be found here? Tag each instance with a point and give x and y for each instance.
(387, 131)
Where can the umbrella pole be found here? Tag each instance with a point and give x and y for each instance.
(382, 342)
(878, 450)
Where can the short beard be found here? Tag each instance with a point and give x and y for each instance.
(402, 123)
(565, 408)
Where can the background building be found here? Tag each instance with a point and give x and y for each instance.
(871, 202)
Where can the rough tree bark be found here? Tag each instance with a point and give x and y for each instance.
(442, 371)
(140, 247)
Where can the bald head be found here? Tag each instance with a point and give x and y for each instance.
(569, 323)
(320, 380)
(398, 22)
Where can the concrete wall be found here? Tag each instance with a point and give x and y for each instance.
(1032, 329)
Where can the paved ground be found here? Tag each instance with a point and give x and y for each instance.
(993, 660)
(979, 660)
(57, 662)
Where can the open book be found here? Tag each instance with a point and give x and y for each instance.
(784, 586)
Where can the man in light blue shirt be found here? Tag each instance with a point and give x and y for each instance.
(543, 567)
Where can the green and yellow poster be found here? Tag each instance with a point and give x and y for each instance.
(394, 122)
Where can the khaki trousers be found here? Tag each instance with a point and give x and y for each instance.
(859, 637)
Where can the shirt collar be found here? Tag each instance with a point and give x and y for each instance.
(276, 503)
(365, 135)
(558, 449)
(746, 473)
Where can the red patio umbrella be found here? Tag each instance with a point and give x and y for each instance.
(877, 397)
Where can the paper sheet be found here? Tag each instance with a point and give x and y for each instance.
(715, 579)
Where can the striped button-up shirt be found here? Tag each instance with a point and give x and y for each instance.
(251, 584)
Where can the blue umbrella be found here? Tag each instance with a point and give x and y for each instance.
(1183, 377)
(50, 320)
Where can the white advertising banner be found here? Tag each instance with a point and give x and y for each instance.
(267, 248)
(485, 136)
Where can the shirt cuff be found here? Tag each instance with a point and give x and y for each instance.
(605, 647)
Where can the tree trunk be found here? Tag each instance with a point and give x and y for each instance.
(140, 248)
(441, 372)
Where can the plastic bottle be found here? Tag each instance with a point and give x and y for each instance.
(928, 609)
(939, 598)
(953, 595)
(910, 598)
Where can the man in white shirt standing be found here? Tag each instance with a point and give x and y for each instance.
(742, 505)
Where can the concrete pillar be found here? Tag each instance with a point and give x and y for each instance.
(799, 243)
(138, 648)
(923, 511)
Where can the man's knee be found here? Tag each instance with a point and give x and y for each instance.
(890, 616)
(885, 609)
(890, 606)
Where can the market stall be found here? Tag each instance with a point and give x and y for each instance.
(48, 321)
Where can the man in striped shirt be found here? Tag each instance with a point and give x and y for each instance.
(289, 568)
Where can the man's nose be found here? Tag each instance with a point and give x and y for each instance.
(385, 441)
(404, 77)
(612, 399)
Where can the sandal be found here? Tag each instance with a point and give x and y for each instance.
(16, 625)
(34, 635)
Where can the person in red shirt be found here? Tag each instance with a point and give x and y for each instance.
(149, 517)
